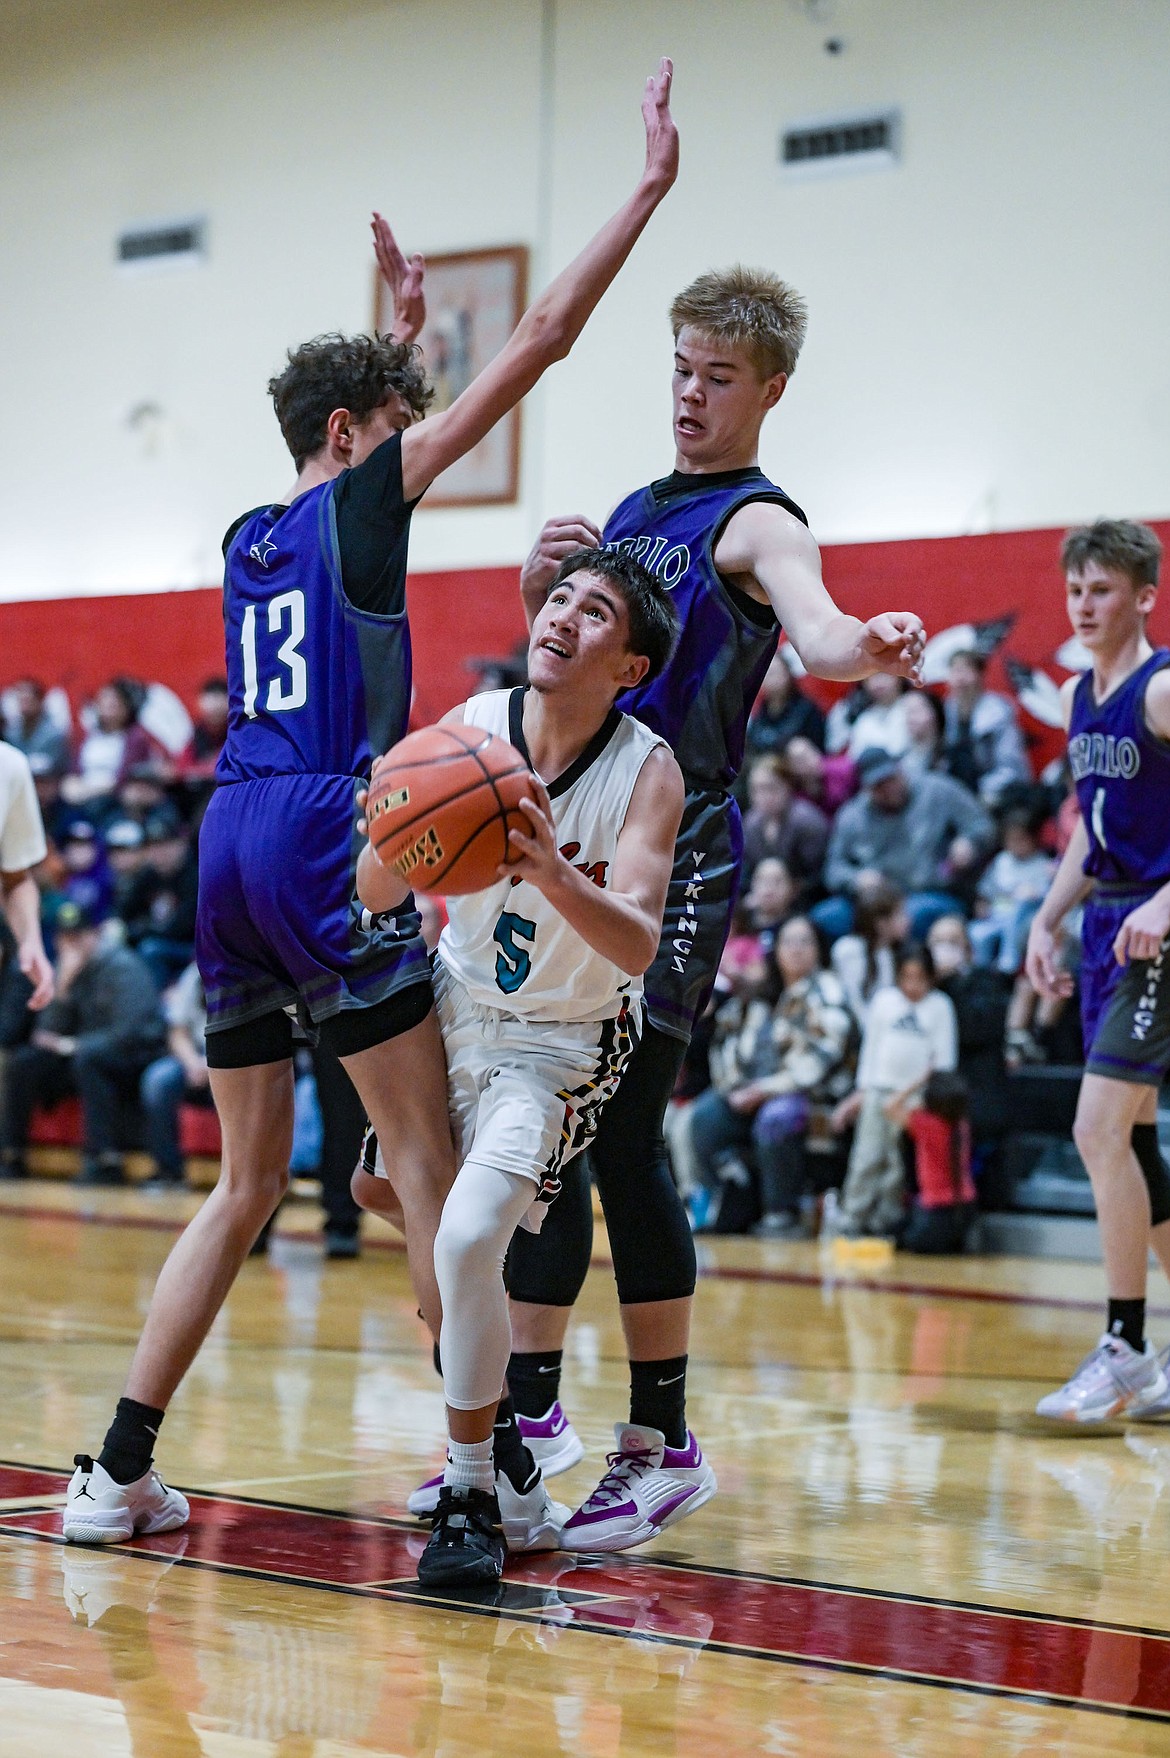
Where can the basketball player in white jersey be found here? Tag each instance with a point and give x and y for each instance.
(538, 985)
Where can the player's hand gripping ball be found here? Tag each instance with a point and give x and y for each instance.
(441, 804)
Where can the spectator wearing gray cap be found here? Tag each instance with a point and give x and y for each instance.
(927, 835)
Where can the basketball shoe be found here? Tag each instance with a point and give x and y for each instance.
(531, 1519)
(648, 1487)
(551, 1439)
(466, 1547)
(1114, 1380)
(1155, 1408)
(100, 1511)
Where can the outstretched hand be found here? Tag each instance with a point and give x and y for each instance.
(893, 642)
(661, 133)
(404, 279)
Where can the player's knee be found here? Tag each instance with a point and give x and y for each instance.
(668, 1272)
(419, 1172)
(463, 1252)
(374, 1195)
(1093, 1140)
(471, 1241)
(254, 1189)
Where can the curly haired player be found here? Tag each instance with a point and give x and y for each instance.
(318, 661)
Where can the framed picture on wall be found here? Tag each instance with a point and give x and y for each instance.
(474, 301)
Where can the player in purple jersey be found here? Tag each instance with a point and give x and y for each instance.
(1118, 865)
(741, 561)
(319, 682)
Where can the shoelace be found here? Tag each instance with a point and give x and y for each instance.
(612, 1487)
(1112, 1366)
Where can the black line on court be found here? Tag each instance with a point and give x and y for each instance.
(661, 1560)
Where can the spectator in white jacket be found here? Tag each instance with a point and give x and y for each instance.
(873, 716)
(910, 1034)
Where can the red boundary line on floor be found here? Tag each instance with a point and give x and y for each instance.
(983, 1650)
(710, 1272)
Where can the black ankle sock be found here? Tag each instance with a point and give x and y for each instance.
(535, 1381)
(1127, 1319)
(128, 1449)
(658, 1397)
(509, 1454)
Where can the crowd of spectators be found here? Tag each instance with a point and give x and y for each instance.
(124, 1033)
(851, 1074)
(870, 1004)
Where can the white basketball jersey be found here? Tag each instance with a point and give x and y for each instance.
(507, 946)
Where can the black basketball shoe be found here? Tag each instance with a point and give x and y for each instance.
(466, 1547)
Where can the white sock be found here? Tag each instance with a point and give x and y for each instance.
(469, 1465)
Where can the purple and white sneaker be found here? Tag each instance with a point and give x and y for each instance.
(551, 1439)
(648, 1487)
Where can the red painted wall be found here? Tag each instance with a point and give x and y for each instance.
(177, 637)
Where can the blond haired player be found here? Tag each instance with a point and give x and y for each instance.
(736, 553)
(538, 983)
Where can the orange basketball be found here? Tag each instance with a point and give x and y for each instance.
(442, 805)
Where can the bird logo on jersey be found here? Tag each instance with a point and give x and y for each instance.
(261, 551)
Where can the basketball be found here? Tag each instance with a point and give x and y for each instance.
(442, 805)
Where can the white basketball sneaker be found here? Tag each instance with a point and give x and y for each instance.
(100, 1511)
(530, 1518)
(551, 1439)
(1154, 1406)
(1115, 1380)
(648, 1487)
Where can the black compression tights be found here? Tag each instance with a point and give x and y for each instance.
(649, 1236)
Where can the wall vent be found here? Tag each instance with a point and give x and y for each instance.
(172, 241)
(842, 143)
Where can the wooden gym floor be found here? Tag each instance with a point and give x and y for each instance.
(900, 1559)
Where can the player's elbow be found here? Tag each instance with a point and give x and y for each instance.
(641, 951)
(548, 334)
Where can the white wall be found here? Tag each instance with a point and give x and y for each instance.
(987, 344)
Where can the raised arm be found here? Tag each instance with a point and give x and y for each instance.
(553, 322)
(404, 281)
(776, 560)
(623, 920)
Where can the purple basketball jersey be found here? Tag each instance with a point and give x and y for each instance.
(701, 702)
(1122, 776)
(315, 686)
